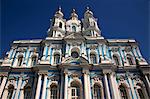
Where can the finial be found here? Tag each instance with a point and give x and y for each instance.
(73, 14)
(87, 8)
(73, 10)
(59, 8)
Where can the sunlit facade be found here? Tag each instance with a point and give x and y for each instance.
(74, 62)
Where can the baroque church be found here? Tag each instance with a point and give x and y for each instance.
(74, 61)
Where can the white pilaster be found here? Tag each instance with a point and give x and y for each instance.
(147, 80)
(115, 85)
(3, 85)
(61, 87)
(134, 51)
(114, 95)
(89, 86)
(21, 94)
(38, 88)
(10, 53)
(5, 94)
(86, 87)
(18, 87)
(132, 87)
(104, 47)
(138, 51)
(66, 86)
(106, 87)
(148, 83)
(44, 87)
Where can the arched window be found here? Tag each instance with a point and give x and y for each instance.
(123, 92)
(53, 91)
(60, 24)
(99, 59)
(73, 29)
(33, 60)
(56, 58)
(75, 54)
(20, 59)
(93, 58)
(27, 92)
(140, 93)
(116, 60)
(97, 92)
(130, 60)
(75, 91)
(10, 91)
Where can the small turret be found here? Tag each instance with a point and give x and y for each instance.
(73, 25)
(57, 28)
(90, 26)
(59, 13)
(74, 15)
(88, 13)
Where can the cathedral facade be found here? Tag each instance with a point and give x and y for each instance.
(74, 62)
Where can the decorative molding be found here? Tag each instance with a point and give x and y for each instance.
(127, 49)
(114, 49)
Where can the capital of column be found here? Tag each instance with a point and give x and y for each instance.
(42, 73)
(4, 74)
(85, 71)
(105, 72)
(65, 71)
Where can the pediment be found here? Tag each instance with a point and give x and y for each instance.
(75, 36)
(79, 60)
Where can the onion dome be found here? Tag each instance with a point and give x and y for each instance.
(73, 14)
(88, 12)
(59, 13)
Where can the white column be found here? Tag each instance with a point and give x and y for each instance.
(89, 86)
(86, 87)
(61, 87)
(106, 87)
(104, 47)
(66, 86)
(3, 85)
(38, 88)
(21, 94)
(116, 86)
(114, 95)
(132, 87)
(44, 87)
(148, 83)
(18, 88)
(138, 51)
(147, 80)
(48, 92)
(5, 94)
(134, 51)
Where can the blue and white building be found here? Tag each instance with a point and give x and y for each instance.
(74, 62)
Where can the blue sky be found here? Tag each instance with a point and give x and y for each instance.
(29, 19)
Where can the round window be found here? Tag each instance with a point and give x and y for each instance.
(74, 54)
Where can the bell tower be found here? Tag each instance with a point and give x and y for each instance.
(57, 27)
(73, 25)
(90, 26)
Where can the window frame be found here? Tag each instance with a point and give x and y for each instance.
(20, 60)
(93, 60)
(10, 88)
(55, 91)
(27, 92)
